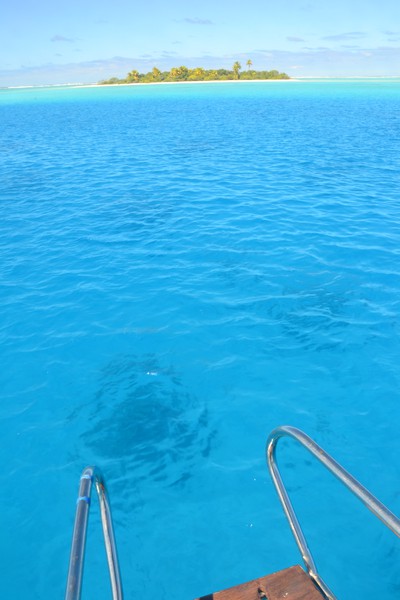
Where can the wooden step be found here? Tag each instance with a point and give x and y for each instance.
(290, 584)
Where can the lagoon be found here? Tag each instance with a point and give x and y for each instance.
(184, 267)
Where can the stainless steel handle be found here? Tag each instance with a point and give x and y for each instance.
(372, 503)
(89, 476)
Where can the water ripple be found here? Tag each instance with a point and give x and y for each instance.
(184, 260)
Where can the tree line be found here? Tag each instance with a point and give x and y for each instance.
(196, 74)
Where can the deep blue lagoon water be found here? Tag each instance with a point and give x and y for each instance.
(183, 268)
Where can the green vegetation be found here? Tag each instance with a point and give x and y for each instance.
(197, 74)
(236, 68)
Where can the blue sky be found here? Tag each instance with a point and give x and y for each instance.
(88, 40)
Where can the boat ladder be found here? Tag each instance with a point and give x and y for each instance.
(89, 476)
(292, 584)
(372, 503)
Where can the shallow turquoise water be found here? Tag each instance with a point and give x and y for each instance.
(183, 269)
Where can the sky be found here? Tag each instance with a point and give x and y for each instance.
(84, 41)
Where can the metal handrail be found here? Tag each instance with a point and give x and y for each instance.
(372, 503)
(75, 572)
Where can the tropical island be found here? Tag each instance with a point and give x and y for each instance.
(197, 74)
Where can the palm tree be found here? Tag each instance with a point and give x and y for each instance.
(197, 74)
(133, 76)
(236, 68)
(174, 74)
(249, 63)
(156, 73)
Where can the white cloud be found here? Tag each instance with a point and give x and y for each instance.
(343, 37)
(61, 38)
(197, 21)
(314, 62)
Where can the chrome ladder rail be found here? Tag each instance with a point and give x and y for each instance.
(372, 503)
(77, 557)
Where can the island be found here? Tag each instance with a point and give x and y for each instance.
(182, 74)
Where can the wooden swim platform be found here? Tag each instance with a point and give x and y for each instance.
(290, 584)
